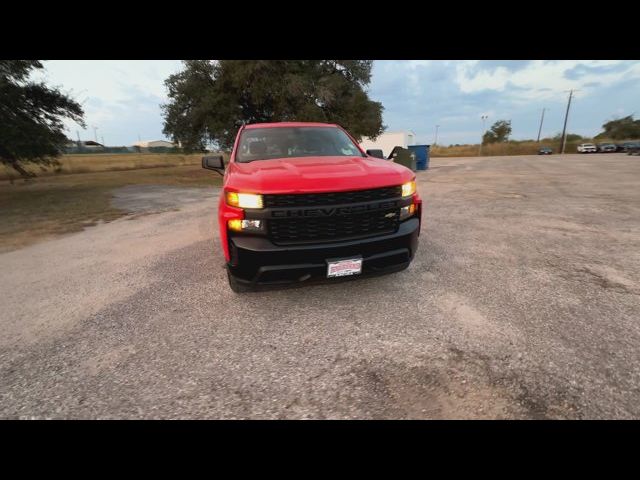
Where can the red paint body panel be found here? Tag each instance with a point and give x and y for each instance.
(304, 175)
(314, 175)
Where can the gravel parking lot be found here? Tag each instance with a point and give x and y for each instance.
(523, 302)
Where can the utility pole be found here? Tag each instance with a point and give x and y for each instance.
(483, 117)
(566, 117)
(435, 142)
(79, 143)
(95, 133)
(541, 120)
(102, 138)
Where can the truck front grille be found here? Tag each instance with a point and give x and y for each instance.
(339, 227)
(331, 198)
(308, 229)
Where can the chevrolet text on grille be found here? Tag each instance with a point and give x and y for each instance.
(327, 212)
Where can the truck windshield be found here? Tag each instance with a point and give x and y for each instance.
(289, 142)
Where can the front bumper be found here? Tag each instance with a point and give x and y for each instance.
(256, 260)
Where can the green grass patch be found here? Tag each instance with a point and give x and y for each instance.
(54, 205)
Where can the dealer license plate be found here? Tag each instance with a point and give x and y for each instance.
(344, 267)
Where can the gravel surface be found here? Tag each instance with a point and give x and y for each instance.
(523, 302)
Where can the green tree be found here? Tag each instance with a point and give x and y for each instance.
(621, 129)
(499, 132)
(209, 101)
(31, 116)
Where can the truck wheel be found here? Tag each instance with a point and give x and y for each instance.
(236, 286)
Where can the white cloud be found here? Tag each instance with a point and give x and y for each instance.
(414, 84)
(112, 93)
(541, 79)
(110, 80)
(413, 64)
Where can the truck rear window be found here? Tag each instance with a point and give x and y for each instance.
(290, 142)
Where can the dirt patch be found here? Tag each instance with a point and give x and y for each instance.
(434, 390)
(108, 360)
(608, 278)
(461, 311)
(157, 198)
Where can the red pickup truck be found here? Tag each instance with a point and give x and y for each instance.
(303, 202)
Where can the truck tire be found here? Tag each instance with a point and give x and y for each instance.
(236, 286)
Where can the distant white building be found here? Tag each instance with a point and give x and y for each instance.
(154, 143)
(388, 140)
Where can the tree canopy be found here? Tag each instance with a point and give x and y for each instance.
(621, 129)
(31, 116)
(499, 132)
(209, 101)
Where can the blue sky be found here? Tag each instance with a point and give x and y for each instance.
(122, 98)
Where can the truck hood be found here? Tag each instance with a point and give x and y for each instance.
(314, 174)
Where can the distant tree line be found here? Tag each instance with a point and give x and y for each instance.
(621, 129)
(625, 128)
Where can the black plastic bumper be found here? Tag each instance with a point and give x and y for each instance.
(256, 260)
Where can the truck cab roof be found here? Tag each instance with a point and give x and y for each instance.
(289, 124)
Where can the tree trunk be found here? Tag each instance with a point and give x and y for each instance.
(20, 169)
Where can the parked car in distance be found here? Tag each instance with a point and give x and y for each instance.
(607, 147)
(545, 151)
(622, 147)
(633, 149)
(587, 148)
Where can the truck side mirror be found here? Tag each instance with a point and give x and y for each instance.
(375, 153)
(213, 162)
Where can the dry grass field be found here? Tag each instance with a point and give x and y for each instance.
(105, 162)
(500, 149)
(511, 148)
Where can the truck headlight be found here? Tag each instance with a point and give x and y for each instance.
(244, 200)
(406, 212)
(245, 225)
(408, 188)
